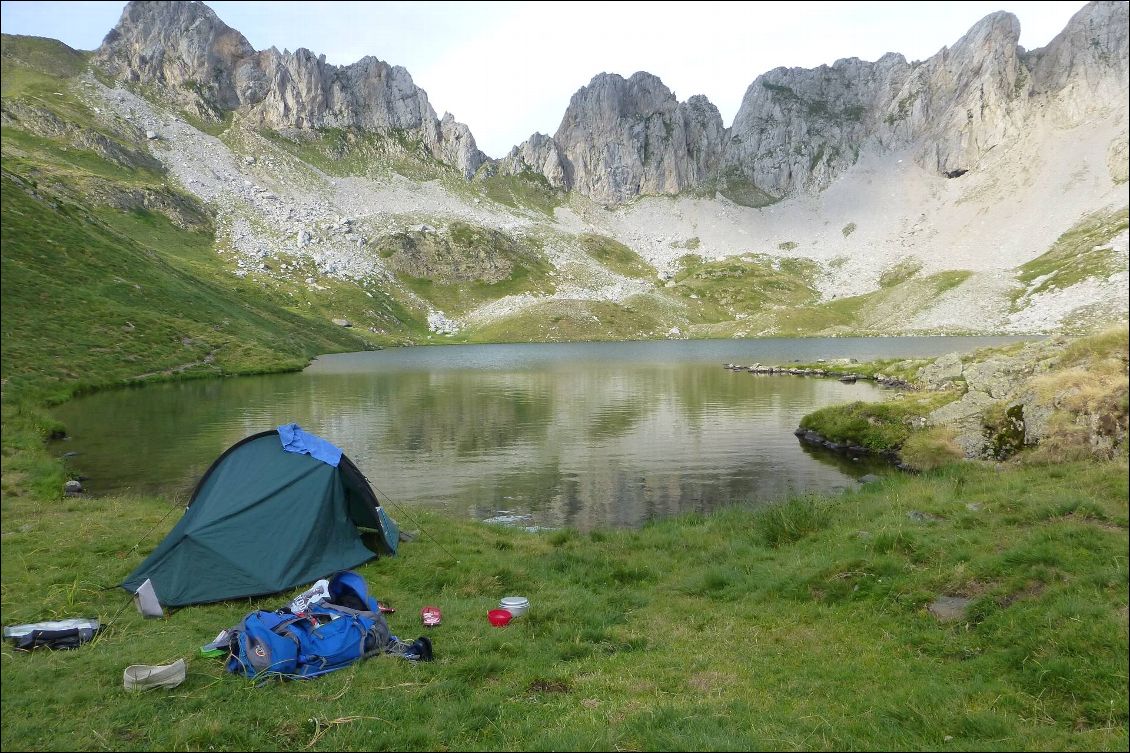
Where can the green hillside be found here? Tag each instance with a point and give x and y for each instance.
(92, 301)
(110, 272)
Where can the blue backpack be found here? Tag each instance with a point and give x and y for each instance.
(329, 635)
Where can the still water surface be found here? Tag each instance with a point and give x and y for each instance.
(580, 435)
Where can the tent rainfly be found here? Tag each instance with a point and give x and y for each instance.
(276, 510)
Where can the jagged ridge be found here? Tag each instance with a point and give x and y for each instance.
(798, 129)
(194, 56)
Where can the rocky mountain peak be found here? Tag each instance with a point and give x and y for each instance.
(539, 154)
(209, 68)
(623, 137)
(797, 130)
(1088, 59)
(174, 43)
(999, 28)
(964, 96)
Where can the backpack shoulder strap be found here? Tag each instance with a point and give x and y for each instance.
(369, 613)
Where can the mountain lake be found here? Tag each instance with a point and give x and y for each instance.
(582, 435)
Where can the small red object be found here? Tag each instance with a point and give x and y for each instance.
(431, 616)
(499, 617)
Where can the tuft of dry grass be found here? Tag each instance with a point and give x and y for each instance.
(1089, 399)
(931, 448)
(1112, 344)
(1066, 441)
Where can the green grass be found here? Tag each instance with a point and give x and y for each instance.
(843, 312)
(213, 127)
(900, 273)
(350, 151)
(947, 280)
(747, 284)
(53, 158)
(739, 189)
(40, 73)
(800, 626)
(128, 263)
(32, 64)
(458, 298)
(330, 150)
(49, 129)
(529, 190)
(877, 426)
(931, 448)
(803, 626)
(615, 255)
(467, 265)
(1110, 343)
(878, 312)
(1073, 257)
(99, 288)
(900, 368)
(1082, 394)
(92, 302)
(638, 318)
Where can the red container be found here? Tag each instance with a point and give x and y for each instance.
(499, 617)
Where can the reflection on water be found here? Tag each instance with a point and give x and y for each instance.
(563, 435)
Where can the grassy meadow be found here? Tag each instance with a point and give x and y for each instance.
(805, 625)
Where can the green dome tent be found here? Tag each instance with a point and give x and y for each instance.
(265, 518)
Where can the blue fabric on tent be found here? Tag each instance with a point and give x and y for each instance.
(294, 439)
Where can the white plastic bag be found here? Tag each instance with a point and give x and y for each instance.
(320, 591)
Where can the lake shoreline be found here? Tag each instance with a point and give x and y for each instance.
(546, 431)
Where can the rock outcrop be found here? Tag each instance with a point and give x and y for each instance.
(211, 69)
(624, 137)
(1085, 66)
(965, 99)
(1031, 397)
(537, 154)
(798, 129)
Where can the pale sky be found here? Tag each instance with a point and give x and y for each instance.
(508, 69)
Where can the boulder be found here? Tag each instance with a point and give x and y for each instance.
(942, 371)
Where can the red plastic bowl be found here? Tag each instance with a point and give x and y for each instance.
(499, 617)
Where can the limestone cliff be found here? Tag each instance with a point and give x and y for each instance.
(965, 100)
(192, 56)
(798, 129)
(1086, 64)
(537, 154)
(624, 137)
